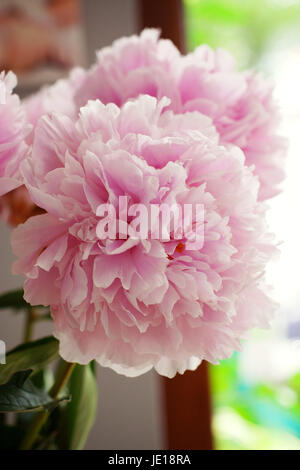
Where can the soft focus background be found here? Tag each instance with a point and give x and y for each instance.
(256, 394)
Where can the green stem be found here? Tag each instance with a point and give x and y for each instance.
(41, 417)
(62, 378)
(43, 317)
(30, 319)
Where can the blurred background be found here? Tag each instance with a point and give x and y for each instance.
(256, 394)
(251, 401)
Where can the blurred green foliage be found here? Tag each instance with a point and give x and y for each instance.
(245, 27)
(248, 415)
(254, 416)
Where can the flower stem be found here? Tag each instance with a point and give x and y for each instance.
(30, 319)
(41, 417)
(62, 378)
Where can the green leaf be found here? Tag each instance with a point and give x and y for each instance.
(13, 299)
(33, 355)
(20, 395)
(79, 415)
(44, 378)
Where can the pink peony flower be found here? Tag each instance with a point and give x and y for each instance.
(242, 108)
(58, 97)
(134, 304)
(13, 130)
(240, 104)
(132, 66)
(16, 206)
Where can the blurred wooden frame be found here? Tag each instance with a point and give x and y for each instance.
(187, 400)
(166, 15)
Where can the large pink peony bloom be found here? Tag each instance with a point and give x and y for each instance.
(240, 104)
(13, 130)
(134, 304)
(58, 97)
(132, 66)
(16, 206)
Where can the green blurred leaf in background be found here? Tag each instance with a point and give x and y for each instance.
(33, 355)
(244, 27)
(79, 415)
(19, 394)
